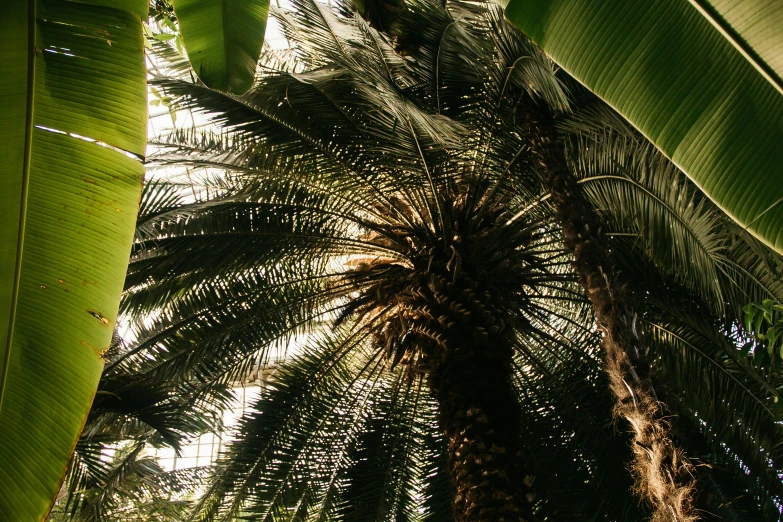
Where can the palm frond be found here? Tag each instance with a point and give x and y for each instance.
(286, 451)
(362, 211)
(642, 195)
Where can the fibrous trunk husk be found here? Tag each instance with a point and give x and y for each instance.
(479, 414)
(662, 474)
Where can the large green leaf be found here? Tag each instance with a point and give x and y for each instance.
(223, 39)
(72, 132)
(701, 80)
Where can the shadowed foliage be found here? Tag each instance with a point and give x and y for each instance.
(385, 222)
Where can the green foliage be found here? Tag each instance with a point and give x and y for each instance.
(73, 105)
(123, 483)
(223, 39)
(765, 322)
(294, 185)
(692, 270)
(340, 157)
(701, 80)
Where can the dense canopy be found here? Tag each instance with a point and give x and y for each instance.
(381, 217)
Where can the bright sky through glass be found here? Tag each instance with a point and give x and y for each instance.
(204, 449)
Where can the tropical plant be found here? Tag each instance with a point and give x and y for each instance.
(702, 80)
(114, 475)
(376, 250)
(73, 104)
(733, 42)
(223, 39)
(703, 254)
(125, 483)
(764, 321)
(664, 475)
(393, 215)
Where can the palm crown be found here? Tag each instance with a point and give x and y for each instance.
(386, 213)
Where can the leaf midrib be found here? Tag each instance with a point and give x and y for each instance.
(28, 141)
(739, 43)
(224, 33)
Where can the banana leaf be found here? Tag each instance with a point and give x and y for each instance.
(700, 79)
(72, 135)
(223, 40)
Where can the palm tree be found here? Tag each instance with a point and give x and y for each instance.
(387, 215)
(405, 246)
(664, 476)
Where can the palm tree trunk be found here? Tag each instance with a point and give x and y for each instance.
(470, 377)
(478, 415)
(663, 475)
